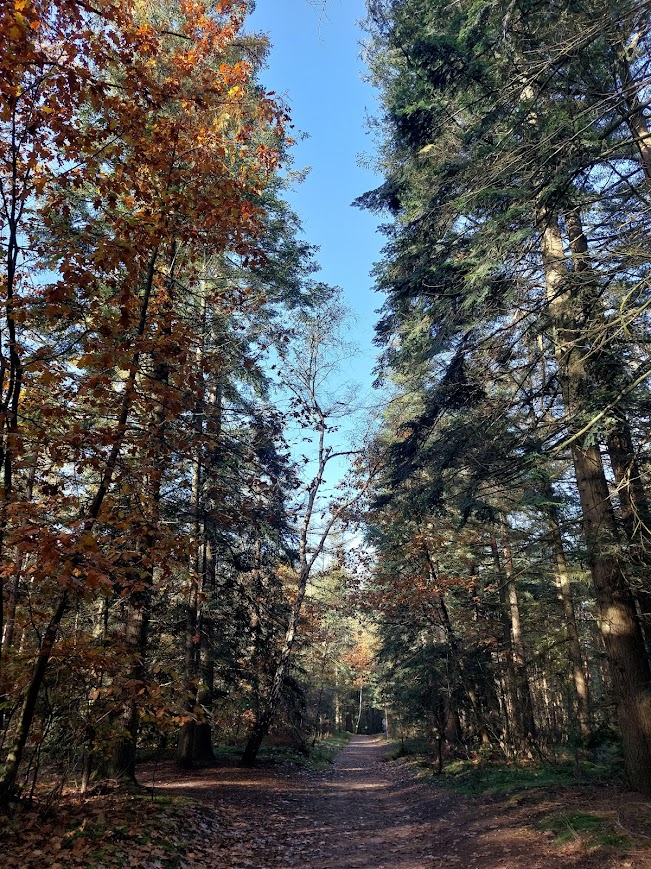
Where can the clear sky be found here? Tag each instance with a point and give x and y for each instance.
(315, 65)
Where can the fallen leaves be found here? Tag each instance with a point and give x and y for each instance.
(114, 830)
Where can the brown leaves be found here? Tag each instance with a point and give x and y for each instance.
(117, 830)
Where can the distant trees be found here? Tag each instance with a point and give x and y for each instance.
(516, 336)
(307, 365)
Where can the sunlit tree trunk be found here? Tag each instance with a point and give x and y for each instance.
(618, 619)
(632, 109)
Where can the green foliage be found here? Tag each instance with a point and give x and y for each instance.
(319, 756)
(501, 779)
(494, 137)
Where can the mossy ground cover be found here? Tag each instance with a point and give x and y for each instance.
(583, 805)
(497, 779)
(592, 829)
(500, 778)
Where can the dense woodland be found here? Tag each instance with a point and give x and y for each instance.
(512, 522)
(176, 572)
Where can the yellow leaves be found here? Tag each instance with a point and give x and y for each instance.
(18, 24)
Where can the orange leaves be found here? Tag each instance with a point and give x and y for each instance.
(136, 157)
(19, 21)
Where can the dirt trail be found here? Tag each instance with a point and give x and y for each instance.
(364, 813)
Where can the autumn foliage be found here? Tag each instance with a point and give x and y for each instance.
(135, 150)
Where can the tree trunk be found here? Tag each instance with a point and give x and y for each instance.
(195, 736)
(265, 719)
(308, 373)
(185, 747)
(633, 110)
(15, 753)
(634, 504)
(339, 724)
(619, 625)
(519, 651)
(581, 698)
(514, 725)
(360, 707)
(202, 748)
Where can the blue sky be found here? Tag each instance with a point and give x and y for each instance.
(315, 65)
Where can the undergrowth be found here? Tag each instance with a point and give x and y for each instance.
(471, 778)
(500, 778)
(319, 756)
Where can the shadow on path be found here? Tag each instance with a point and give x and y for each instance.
(364, 813)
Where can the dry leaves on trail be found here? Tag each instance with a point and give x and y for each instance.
(362, 813)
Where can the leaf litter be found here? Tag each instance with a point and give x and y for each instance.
(363, 813)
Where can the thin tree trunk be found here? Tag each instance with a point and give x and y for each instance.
(360, 707)
(15, 753)
(202, 748)
(519, 651)
(268, 711)
(562, 574)
(185, 747)
(318, 729)
(514, 724)
(14, 758)
(338, 718)
(308, 378)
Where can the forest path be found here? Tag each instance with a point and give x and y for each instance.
(364, 813)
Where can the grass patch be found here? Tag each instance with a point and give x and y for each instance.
(592, 830)
(492, 778)
(411, 748)
(502, 779)
(324, 752)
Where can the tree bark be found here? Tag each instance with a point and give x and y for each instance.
(359, 707)
(633, 110)
(619, 625)
(10, 770)
(202, 748)
(15, 753)
(633, 499)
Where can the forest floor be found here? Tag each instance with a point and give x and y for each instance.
(361, 813)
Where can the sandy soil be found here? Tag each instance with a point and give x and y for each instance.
(365, 813)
